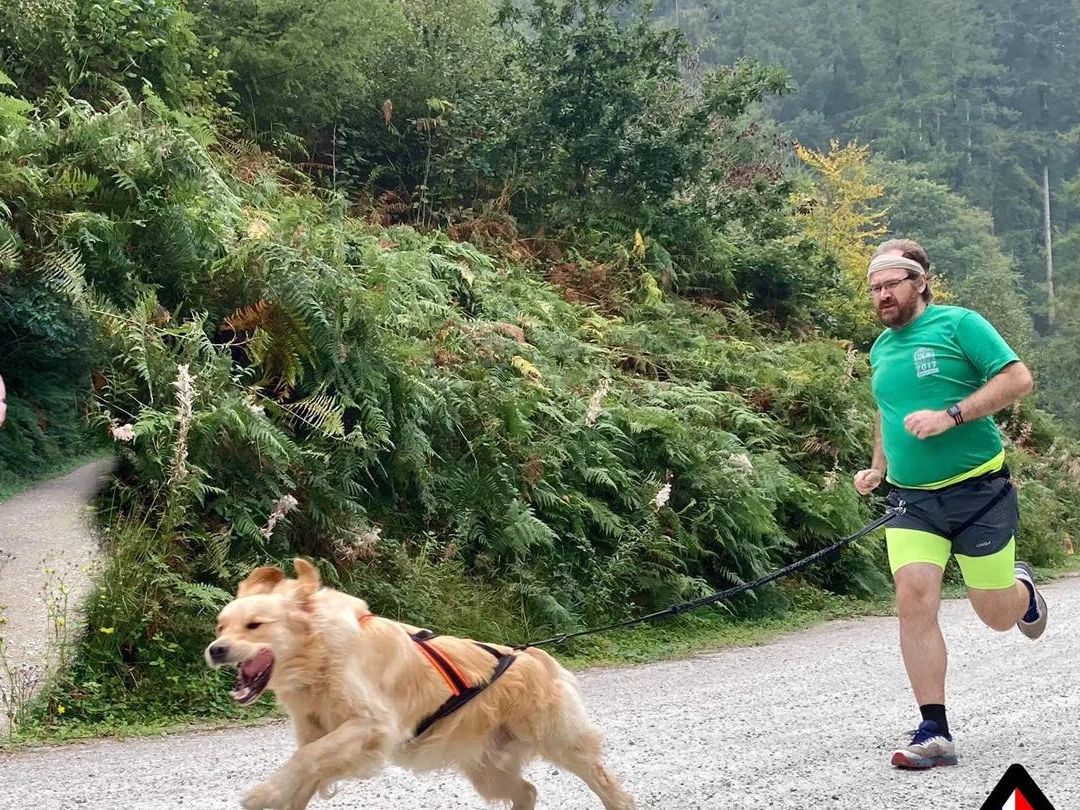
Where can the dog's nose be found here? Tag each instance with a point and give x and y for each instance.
(218, 652)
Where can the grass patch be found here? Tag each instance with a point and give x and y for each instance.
(36, 736)
(689, 635)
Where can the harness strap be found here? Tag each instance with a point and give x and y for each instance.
(490, 650)
(460, 691)
(455, 702)
(443, 665)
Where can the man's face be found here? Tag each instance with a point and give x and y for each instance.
(896, 297)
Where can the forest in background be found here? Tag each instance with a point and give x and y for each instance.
(981, 96)
(513, 317)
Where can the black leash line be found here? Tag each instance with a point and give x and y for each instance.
(891, 512)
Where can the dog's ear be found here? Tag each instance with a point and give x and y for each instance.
(307, 578)
(262, 580)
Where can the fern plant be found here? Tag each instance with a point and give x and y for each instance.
(432, 424)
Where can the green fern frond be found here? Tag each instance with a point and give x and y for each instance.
(65, 272)
(320, 412)
(600, 478)
(9, 254)
(125, 181)
(205, 598)
(523, 531)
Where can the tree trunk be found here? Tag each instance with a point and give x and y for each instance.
(967, 115)
(1049, 248)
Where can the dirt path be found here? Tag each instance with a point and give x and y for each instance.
(46, 542)
(803, 722)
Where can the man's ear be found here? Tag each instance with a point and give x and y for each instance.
(262, 580)
(307, 578)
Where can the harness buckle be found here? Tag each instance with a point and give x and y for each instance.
(900, 508)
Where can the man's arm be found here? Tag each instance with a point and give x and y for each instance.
(866, 481)
(878, 461)
(1010, 384)
(1003, 389)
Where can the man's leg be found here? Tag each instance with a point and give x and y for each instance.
(1000, 609)
(918, 559)
(918, 597)
(1002, 591)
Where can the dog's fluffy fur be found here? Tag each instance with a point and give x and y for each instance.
(356, 692)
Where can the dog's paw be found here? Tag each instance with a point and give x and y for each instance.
(265, 796)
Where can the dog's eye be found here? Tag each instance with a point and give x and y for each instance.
(254, 625)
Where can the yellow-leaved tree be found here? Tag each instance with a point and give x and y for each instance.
(844, 213)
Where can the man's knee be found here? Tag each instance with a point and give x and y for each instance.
(917, 598)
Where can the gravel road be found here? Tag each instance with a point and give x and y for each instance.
(806, 721)
(46, 543)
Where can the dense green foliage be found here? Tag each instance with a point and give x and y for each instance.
(541, 342)
(45, 367)
(979, 95)
(980, 91)
(97, 50)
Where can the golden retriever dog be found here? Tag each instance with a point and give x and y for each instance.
(359, 688)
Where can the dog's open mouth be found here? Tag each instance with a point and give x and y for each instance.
(252, 676)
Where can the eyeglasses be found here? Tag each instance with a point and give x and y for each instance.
(887, 286)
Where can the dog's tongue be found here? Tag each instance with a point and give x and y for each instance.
(253, 666)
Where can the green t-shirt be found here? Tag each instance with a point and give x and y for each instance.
(937, 360)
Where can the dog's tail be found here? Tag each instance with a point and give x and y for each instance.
(556, 671)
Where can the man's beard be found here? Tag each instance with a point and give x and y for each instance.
(900, 314)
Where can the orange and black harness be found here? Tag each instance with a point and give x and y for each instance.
(460, 691)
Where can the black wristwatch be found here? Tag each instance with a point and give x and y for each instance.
(957, 416)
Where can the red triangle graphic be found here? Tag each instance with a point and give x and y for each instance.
(1016, 791)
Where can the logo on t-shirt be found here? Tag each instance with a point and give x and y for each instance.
(925, 362)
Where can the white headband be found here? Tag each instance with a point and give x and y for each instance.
(887, 261)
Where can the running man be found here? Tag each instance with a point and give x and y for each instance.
(939, 372)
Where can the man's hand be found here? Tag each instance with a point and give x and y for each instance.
(924, 424)
(866, 481)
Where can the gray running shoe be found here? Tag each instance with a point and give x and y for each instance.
(1034, 627)
(929, 748)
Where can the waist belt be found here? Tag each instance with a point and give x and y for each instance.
(967, 524)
